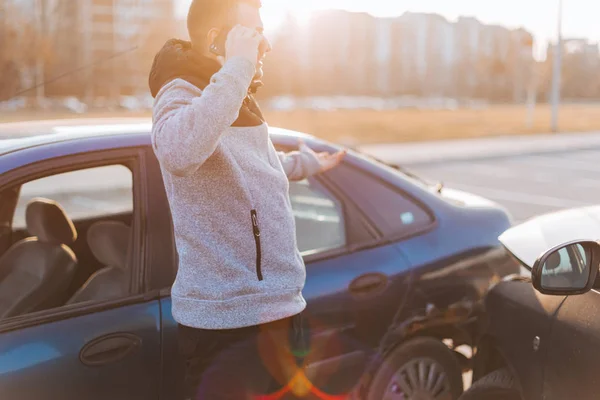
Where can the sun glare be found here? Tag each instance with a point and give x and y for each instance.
(302, 14)
(274, 13)
(538, 16)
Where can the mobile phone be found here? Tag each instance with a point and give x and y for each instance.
(218, 45)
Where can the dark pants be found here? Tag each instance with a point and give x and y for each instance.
(246, 363)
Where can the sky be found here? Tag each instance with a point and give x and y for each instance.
(580, 17)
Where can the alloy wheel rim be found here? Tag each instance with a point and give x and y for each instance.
(419, 379)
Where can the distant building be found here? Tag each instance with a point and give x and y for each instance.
(384, 55)
(589, 50)
(425, 54)
(342, 49)
(581, 66)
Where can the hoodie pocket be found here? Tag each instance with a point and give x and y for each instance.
(256, 234)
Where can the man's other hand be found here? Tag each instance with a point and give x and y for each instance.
(326, 160)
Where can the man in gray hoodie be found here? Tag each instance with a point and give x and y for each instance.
(240, 273)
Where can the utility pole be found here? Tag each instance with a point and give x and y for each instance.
(3, 29)
(557, 71)
(115, 76)
(40, 7)
(86, 25)
(532, 87)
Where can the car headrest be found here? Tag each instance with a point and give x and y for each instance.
(47, 220)
(109, 242)
(552, 262)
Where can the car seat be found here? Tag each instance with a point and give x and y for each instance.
(109, 242)
(35, 271)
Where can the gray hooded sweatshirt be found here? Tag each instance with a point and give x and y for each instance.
(227, 186)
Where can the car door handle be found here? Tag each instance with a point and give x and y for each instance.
(109, 348)
(369, 284)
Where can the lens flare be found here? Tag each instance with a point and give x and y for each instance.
(282, 363)
(301, 387)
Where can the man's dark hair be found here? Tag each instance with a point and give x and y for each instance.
(204, 13)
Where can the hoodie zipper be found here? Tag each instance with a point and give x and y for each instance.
(256, 231)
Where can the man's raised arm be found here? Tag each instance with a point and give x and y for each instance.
(187, 127)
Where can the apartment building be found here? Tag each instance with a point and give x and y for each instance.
(341, 48)
(350, 53)
(581, 63)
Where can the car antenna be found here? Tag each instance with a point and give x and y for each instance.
(439, 187)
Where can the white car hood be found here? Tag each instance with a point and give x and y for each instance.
(532, 238)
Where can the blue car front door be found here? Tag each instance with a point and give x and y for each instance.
(112, 354)
(77, 321)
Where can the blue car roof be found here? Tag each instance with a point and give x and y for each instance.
(33, 141)
(22, 135)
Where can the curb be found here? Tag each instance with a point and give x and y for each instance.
(492, 156)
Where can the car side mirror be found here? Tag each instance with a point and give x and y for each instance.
(568, 269)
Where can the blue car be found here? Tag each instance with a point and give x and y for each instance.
(396, 267)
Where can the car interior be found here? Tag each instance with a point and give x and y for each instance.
(109, 242)
(55, 261)
(78, 232)
(36, 270)
(566, 269)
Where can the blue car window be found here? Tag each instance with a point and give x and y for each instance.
(79, 226)
(84, 194)
(319, 218)
(394, 213)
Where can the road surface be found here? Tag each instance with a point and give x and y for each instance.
(527, 185)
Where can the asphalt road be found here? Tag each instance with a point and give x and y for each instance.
(526, 185)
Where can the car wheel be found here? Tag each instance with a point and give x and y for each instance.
(499, 385)
(420, 369)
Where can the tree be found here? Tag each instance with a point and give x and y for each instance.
(24, 44)
(11, 59)
(580, 72)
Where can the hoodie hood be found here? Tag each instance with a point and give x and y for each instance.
(176, 59)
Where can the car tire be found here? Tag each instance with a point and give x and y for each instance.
(423, 368)
(499, 385)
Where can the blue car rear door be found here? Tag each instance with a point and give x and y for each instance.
(349, 293)
(87, 330)
(355, 281)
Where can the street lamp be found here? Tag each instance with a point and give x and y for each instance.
(556, 74)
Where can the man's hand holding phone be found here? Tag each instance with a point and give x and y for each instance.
(242, 42)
